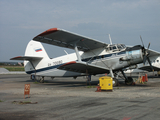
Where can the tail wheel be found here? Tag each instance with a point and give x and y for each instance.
(115, 82)
(41, 80)
(33, 77)
(129, 81)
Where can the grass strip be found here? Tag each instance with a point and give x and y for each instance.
(13, 68)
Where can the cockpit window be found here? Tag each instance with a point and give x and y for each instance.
(119, 47)
(115, 47)
(123, 45)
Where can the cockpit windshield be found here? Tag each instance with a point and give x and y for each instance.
(115, 47)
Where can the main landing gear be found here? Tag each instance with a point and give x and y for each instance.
(41, 79)
(128, 80)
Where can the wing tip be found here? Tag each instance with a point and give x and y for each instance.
(51, 30)
(15, 58)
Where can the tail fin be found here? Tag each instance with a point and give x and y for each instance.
(36, 49)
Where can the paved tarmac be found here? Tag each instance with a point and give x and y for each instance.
(70, 99)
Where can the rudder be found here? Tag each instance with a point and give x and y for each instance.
(35, 49)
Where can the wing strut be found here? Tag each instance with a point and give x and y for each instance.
(77, 53)
(111, 72)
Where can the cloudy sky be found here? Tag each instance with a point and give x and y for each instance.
(125, 20)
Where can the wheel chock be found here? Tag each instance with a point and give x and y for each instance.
(98, 89)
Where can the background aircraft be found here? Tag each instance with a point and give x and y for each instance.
(141, 68)
(91, 56)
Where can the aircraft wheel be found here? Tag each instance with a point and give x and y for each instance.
(115, 82)
(129, 81)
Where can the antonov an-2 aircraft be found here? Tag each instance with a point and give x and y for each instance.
(91, 56)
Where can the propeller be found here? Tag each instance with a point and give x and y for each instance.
(146, 54)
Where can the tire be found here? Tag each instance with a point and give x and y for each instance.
(41, 80)
(129, 81)
(115, 82)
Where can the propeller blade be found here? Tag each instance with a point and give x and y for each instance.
(146, 54)
(150, 64)
(144, 60)
(141, 40)
(148, 46)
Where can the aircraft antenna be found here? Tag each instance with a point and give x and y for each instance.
(110, 39)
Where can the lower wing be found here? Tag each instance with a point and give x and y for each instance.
(83, 67)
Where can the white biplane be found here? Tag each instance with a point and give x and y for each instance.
(91, 57)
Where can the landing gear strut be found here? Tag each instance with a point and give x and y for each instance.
(41, 79)
(88, 80)
(115, 81)
(128, 80)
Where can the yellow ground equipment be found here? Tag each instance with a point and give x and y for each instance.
(105, 83)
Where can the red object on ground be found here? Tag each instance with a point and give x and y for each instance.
(26, 90)
(143, 79)
(146, 78)
(98, 89)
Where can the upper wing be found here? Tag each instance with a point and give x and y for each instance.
(29, 58)
(83, 67)
(67, 39)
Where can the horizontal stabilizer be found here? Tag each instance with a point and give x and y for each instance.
(83, 67)
(29, 58)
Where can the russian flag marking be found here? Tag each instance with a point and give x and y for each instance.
(38, 50)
